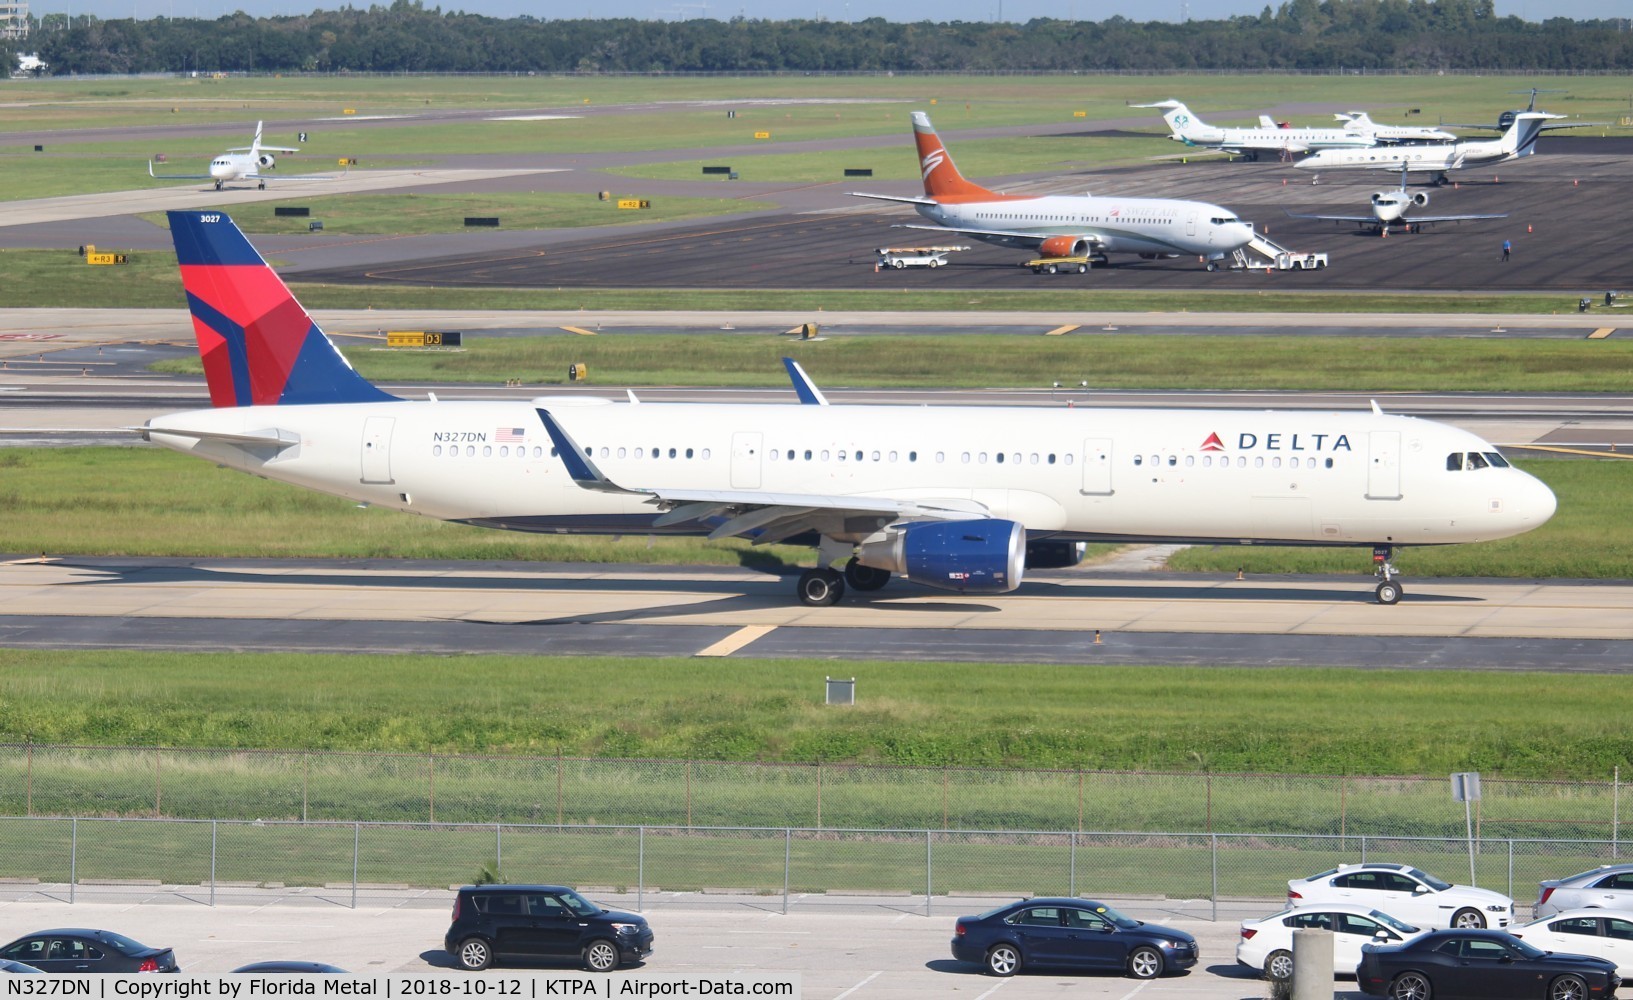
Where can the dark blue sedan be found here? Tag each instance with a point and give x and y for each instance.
(1070, 934)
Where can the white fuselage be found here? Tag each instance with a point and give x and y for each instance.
(1432, 158)
(1194, 475)
(1115, 225)
(1296, 140)
(235, 167)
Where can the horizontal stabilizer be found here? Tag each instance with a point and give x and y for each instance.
(276, 439)
(915, 200)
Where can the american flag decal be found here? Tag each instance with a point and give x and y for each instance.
(510, 435)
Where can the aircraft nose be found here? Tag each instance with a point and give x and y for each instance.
(1537, 502)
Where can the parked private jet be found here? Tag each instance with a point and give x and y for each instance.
(244, 163)
(1064, 225)
(1390, 207)
(946, 496)
(1506, 119)
(1437, 159)
(1186, 127)
(1361, 123)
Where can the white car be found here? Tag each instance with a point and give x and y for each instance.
(1267, 945)
(1405, 893)
(1608, 886)
(1585, 931)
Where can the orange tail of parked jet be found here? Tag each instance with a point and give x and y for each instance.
(942, 181)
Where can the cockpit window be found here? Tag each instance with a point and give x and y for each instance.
(1224, 219)
(1497, 460)
(1454, 462)
(1476, 461)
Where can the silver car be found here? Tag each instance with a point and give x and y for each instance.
(1608, 887)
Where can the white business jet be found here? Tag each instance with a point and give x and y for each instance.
(945, 496)
(1361, 123)
(1064, 225)
(244, 163)
(1437, 158)
(1390, 207)
(1267, 137)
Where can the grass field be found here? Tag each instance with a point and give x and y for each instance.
(123, 501)
(422, 213)
(1298, 720)
(1107, 361)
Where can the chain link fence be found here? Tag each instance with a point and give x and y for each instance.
(41, 780)
(206, 858)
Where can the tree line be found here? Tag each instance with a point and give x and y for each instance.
(1299, 35)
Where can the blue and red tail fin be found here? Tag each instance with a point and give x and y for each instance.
(259, 346)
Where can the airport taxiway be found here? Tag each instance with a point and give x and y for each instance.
(1056, 617)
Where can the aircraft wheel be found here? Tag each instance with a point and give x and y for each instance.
(820, 588)
(1213, 265)
(218, 185)
(1389, 592)
(863, 578)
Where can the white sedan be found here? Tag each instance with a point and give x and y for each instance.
(1267, 945)
(1406, 893)
(1608, 886)
(1587, 931)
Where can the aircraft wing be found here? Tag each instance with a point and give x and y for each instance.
(1369, 219)
(263, 149)
(174, 177)
(1039, 237)
(915, 200)
(1541, 128)
(772, 516)
(1418, 220)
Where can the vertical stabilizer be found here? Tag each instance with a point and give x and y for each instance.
(942, 180)
(1521, 137)
(258, 345)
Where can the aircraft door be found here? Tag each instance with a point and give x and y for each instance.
(1383, 465)
(377, 450)
(745, 460)
(1190, 225)
(1096, 467)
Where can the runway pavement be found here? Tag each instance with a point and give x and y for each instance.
(1063, 617)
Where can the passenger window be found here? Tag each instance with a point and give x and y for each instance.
(875, 456)
(1207, 461)
(705, 455)
(912, 456)
(999, 458)
(1034, 458)
(824, 454)
(688, 453)
(1329, 463)
(1190, 460)
(981, 458)
(892, 456)
(965, 458)
(672, 453)
(436, 450)
(1015, 458)
(1621, 930)
(1586, 926)
(622, 452)
(773, 454)
(640, 453)
(807, 454)
(1258, 462)
(1068, 458)
(841, 456)
(470, 451)
(604, 451)
(1275, 463)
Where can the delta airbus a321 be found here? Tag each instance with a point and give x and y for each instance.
(1065, 225)
(945, 496)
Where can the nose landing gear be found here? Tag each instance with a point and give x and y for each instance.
(1389, 590)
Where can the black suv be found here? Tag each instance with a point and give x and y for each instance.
(493, 922)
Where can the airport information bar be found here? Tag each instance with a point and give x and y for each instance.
(519, 985)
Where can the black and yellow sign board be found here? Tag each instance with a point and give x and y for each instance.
(762, 135)
(107, 258)
(634, 203)
(423, 338)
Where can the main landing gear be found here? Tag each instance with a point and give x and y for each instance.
(218, 185)
(824, 586)
(1389, 590)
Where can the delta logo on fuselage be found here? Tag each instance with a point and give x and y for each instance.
(1249, 441)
